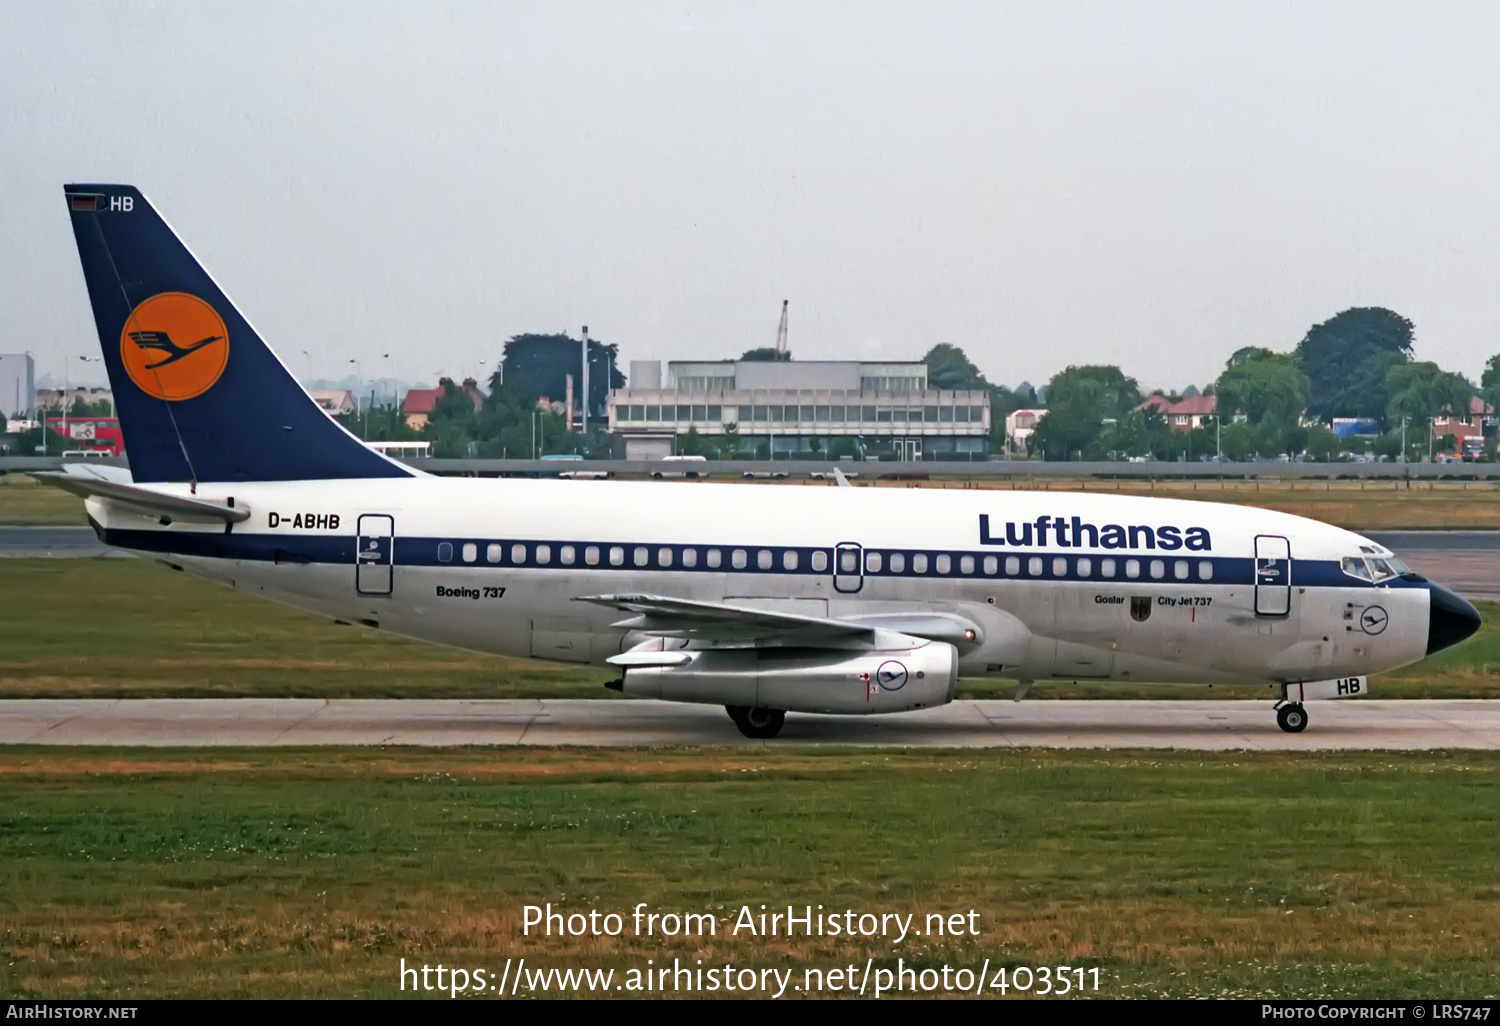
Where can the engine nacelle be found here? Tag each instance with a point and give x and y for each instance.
(805, 679)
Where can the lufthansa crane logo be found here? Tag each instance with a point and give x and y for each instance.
(1373, 620)
(891, 675)
(174, 346)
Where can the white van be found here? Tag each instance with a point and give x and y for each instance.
(682, 473)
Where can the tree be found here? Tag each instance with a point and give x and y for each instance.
(1140, 433)
(949, 367)
(1268, 388)
(1079, 400)
(546, 361)
(1348, 357)
(765, 354)
(1322, 444)
(1422, 391)
(1489, 382)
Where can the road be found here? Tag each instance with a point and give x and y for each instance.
(1352, 724)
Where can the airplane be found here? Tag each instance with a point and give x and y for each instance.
(762, 600)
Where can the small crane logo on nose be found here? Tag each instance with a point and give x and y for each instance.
(1373, 620)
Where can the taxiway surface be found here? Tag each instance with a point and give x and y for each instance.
(1357, 724)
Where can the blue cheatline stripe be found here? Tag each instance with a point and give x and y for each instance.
(810, 561)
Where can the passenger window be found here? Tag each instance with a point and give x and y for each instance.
(566, 555)
(1012, 565)
(966, 564)
(819, 561)
(1034, 566)
(445, 552)
(689, 558)
(872, 562)
(1106, 568)
(1132, 568)
(918, 563)
(1059, 567)
(1180, 570)
(493, 552)
(518, 553)
(544, 553)
(642, 555)
(737, 559)
(616, 555)
(1158, 569)
(1205, 570)
(1085, 566)
(591, 555)
(763, 559)
(470, 551)
(714, 558)
(945, 564)
(789, 559)
(664, 556)
(991, 565)
(898, 562)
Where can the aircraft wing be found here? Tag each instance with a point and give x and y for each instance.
(717, 622)
(176, 507)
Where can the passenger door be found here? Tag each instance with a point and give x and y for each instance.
(375, 547)
(848, 567)
(1273, 576)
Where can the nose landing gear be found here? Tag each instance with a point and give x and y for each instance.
(1291, 717)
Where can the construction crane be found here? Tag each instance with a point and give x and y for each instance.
(781, 353)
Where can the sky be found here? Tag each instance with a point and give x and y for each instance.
(1152, 185)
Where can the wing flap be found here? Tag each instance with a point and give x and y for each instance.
(714, 621)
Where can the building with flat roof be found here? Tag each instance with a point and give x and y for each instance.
(17, 384)
(801, 408)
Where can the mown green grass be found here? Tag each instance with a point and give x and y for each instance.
(129, 628)
(310, 873)
(23, 500)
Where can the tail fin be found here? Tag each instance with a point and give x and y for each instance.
(200, 396)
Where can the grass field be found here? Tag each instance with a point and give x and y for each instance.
(24, 501)
(310, 873)
(1362, 506)
(129, 628)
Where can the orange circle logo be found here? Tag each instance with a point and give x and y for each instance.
(174, 346)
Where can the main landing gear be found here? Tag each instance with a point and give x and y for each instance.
(1291, 717)
(755, 721)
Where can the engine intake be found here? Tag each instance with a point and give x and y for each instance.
(805, 679)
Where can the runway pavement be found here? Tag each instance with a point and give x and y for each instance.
(1355, 724)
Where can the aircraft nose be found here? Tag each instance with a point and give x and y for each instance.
(1450, 620)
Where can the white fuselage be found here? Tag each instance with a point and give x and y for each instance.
(1149, 590)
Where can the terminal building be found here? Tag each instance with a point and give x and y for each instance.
(805, 409)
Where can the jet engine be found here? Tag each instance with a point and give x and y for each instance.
(916, 675)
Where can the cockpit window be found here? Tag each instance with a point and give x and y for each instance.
(1398, 566)
(1354, 566)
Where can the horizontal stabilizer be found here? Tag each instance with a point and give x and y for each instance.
(177, 507)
